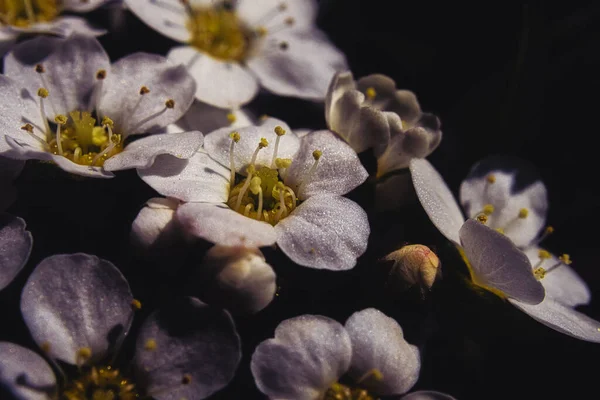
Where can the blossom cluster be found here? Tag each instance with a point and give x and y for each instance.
(226, 210)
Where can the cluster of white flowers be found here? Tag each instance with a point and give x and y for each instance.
(255, 189)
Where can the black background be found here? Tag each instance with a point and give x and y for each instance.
(516, 79)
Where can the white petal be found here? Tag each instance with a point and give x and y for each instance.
(206, 118)
(342, 82)
(562, 284)
(24, 372)
(218, 142)
(219, 224)
(324, 232)
(198, 179)
(168, 17)
(271, 14)
(219, 83)
(298, 63)
(563, 319)
(497, 263)
(436, 198)
(70, 70)
(15, 247)
(338, 172)
(142, 152)
(135, 113)
(378, 344)
(508, 196)
(307, 355)
(82, 6)
(153, 220)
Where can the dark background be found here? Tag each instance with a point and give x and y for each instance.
(516, 79)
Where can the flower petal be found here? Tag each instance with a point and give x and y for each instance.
(82, 6)
(324, 232)
(76, 301)
(563, 319)
(153, 220)
(307, 355)
(206, 118)
(168, 17)
(217, 144)
(199, 179)
(186, 350)
(342, 82)
(497, 263)
(142, 152)
(237, 278)
(378, 344)
(562, 283)
(70, 70)
(24, 374)
(219, 224)
(134, 112)
(15, 247)
(436, 198)
(508, 195)
(427, 395)
(218, 83)
(274, 13)
(338, 172)
(298, 63)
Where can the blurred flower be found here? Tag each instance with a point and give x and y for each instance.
(415, 264)
(64, 102)
(238, 193)
(78, 309)
(494, 260)
(15, 247)
(9, 170)
(237, 279)
(310, 353)
(20, 17)
(234, 46)
(372, 113)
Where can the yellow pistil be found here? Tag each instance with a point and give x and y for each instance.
(81, 141)
(23, 13)
(219, 32)
(99, 383)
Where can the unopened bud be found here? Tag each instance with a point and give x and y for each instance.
(415, 264)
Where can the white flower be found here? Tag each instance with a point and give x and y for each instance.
(371, 112)
(19, 17)
(234, 46)
(506, 216)
(310, 353)
(239, 192)
(64, 102)
(15, 247)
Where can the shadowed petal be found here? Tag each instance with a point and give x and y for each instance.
(436, 198)
(378, 344)
(427, 395)
(15, 247)
(497, 263)
(76, 301)
(25, 374)
(166, 16)
(324, 232)
(186, 350)
(307, 355)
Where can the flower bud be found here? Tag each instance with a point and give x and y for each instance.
(237, 278)
(415, 264)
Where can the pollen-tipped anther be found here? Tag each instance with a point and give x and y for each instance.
(144, 90)
(43, 93)
(170, 103)
(370, 93)
(101, 74)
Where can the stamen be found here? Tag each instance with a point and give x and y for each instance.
(317, 156)
(547, 232)
(251, 169)
(83, 354)
(523, 213)
(370, 93)
(169, 104)
(110, 147)
(374, 373)
(279, 131)
(29, 11)
(150, 345)
(564, 259)
(235, 137)
(491, 178)
(60, 121)
(186, 379)
(41, 70)
(257, 190)
(488, 209)
(29, 129)
(261, 145)
(282, 208)
(97, 91)
(231, 117)
(539, 273)
(43, 93)
(282, 163)
(270, 14)
(261, 31)
(482, 218)
(136, 304)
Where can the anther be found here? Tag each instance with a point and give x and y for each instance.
(284, 45)
(108, 122)
(279, 131)
(45, 347)
(544, 254)
(281, 163)
(231, 117)
(263, 143)
(235, 137)
(500, 230)
(83, 354)
(482, 218)
(144, 90)
(186, 379)
(261, 31)
(370, 93)
(539, 273)
(290, 21)
(170, 103)
(491, 178)
(150, 345)
(136, 304)
(257, 191)
(549, 230)
(43, 93)
(101, 74)
(566, 259)
(523, 213)
(317, 154)
(488, 209)
(39, 68)
(28, 128)
(60, 121)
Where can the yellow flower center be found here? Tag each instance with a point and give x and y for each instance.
(103, 383)
(219, 32)
(338, 391)
(265, 197)
(22, 13)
